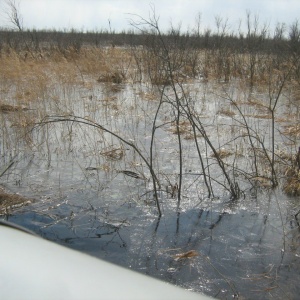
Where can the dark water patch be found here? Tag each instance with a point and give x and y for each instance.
(237, 253)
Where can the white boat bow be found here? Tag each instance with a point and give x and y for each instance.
(34, 268)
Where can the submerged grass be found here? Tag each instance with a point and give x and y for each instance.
(9, 201)
(292, 183)
(46, 82)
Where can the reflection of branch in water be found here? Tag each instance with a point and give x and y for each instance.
(96, 229)
(230, 284)
(114, 232)
(7, 166)
(296, 217)
(218, 220)
(97, 236)
(152, 240)
(182, 257)
(267, 276)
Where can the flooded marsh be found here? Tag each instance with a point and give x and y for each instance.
(172, 171)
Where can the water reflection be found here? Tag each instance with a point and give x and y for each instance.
(254, 254)
(87, 201)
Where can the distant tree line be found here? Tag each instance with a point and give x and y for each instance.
(282, 40)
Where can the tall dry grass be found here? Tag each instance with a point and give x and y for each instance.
(29, 80)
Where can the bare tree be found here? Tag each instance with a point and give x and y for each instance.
(13, 14)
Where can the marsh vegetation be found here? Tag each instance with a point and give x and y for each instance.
(173, 153)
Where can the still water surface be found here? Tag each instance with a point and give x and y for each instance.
(247, 248)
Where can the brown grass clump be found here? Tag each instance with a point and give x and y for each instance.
(11, 108)
(113, 153)
(292, 130)
(105, 167)
(262, 181)
(222, 153)
(226, 112)
(265, 116)
(115, 77)
(292, 173)
(185, 255)
(11, 201)
(33, 75)
(285, 156)
(296, 92)
(149, 96)
(27, 83)
(183, 128)
(108, 65)
(160, 79)
(292, 183)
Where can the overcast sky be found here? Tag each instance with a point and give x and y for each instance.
(96, 14)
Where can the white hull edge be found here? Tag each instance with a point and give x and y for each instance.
(34, 268)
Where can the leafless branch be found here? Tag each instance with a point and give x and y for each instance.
(13, 14)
